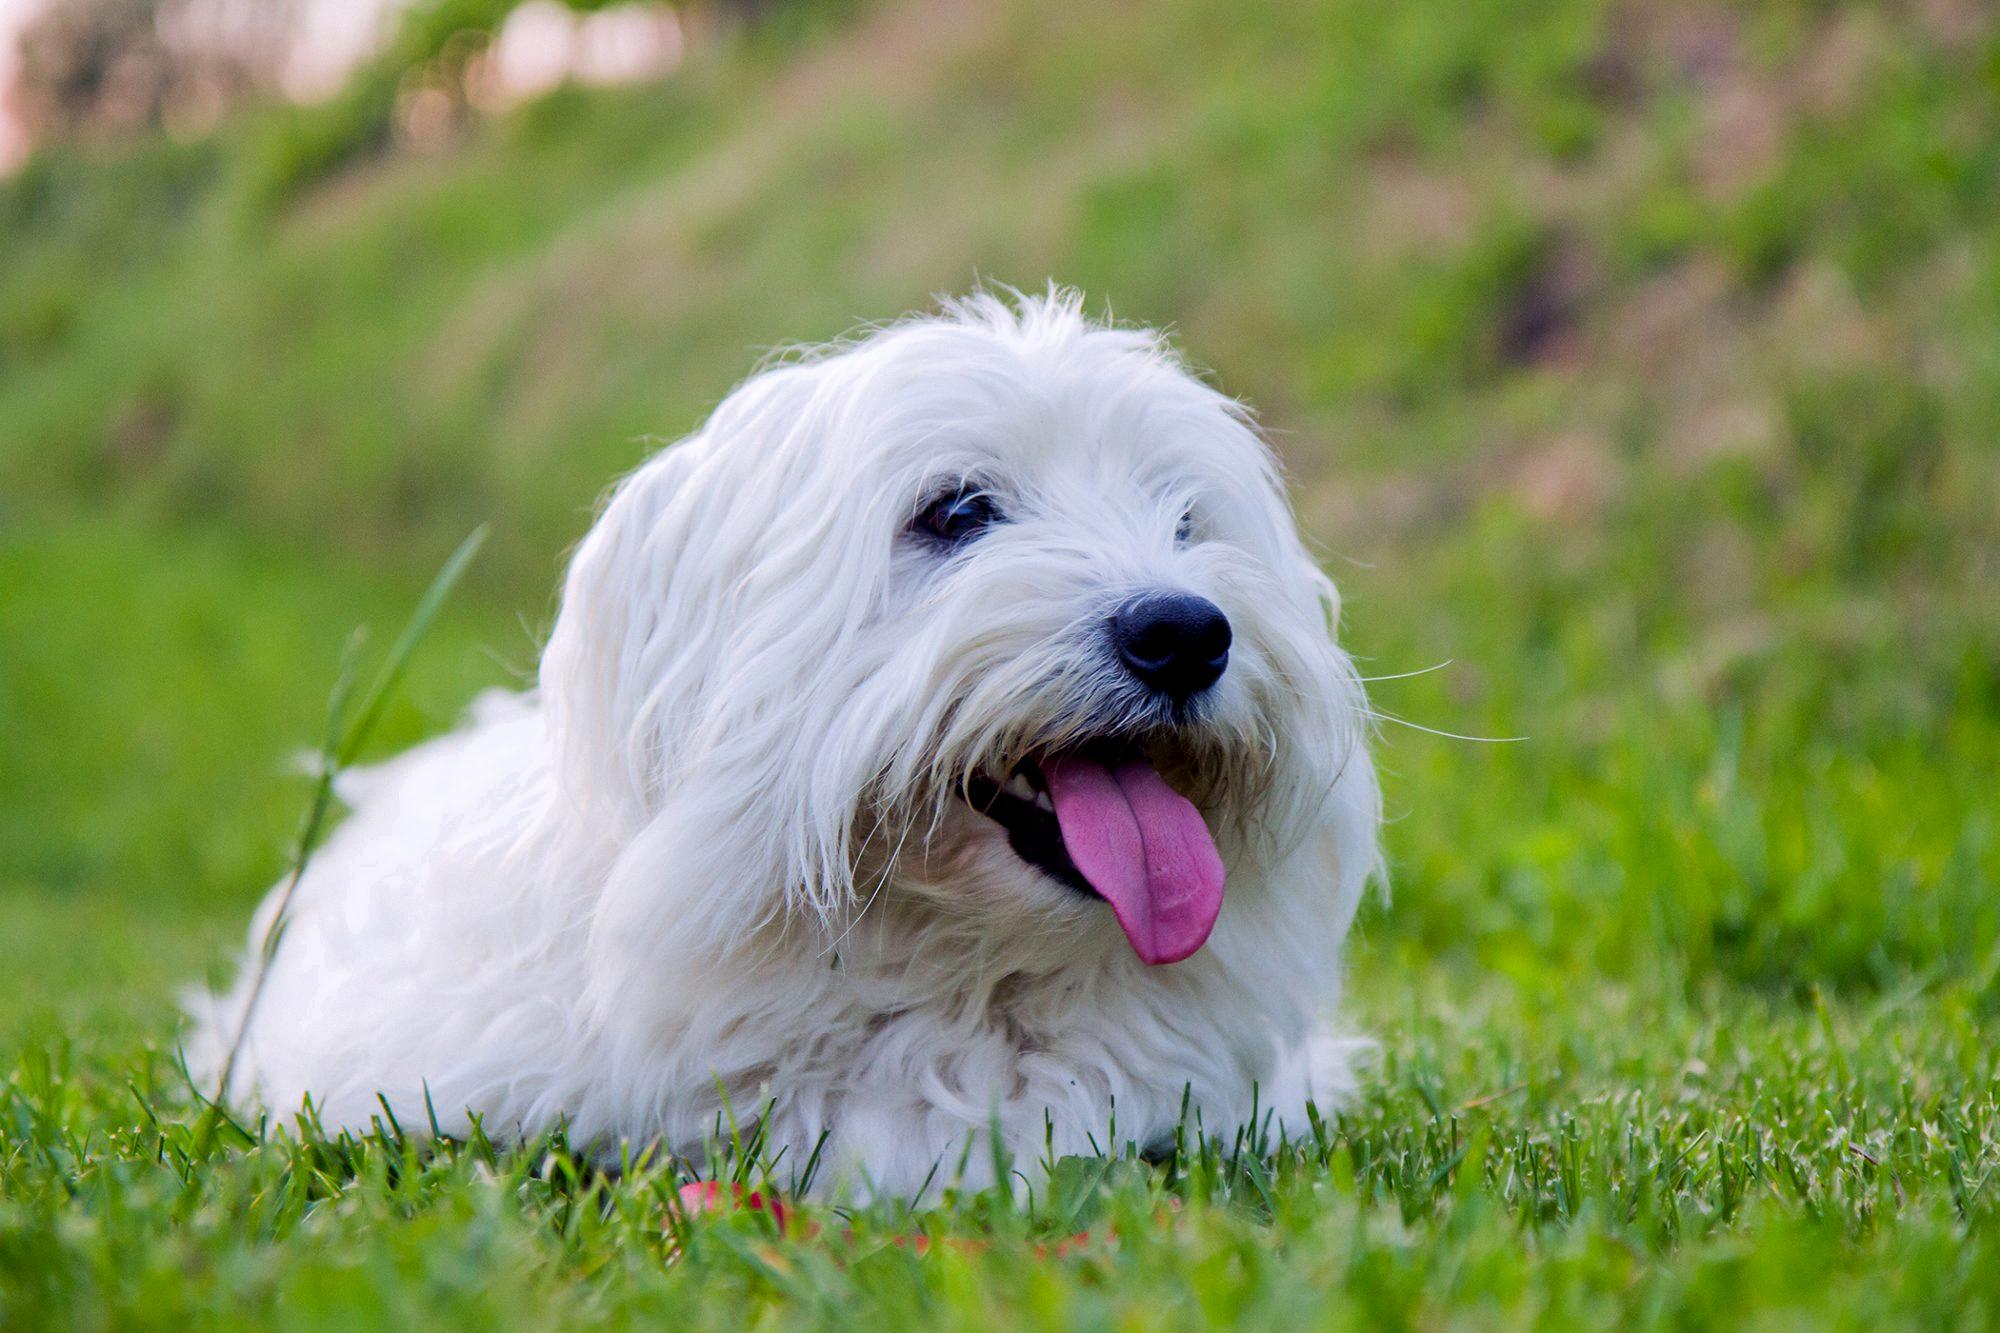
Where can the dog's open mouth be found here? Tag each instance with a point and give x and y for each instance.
(1109, 825)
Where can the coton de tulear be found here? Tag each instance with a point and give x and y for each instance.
(949, 736)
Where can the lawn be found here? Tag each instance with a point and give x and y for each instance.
(1638, 373)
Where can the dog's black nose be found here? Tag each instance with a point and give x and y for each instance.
(1175, 642)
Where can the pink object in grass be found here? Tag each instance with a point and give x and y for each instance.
(712, 1196)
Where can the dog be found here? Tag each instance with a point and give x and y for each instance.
(948, 740)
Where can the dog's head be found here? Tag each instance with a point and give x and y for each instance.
(997, 611)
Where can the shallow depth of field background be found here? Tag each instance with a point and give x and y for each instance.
(1638, 361)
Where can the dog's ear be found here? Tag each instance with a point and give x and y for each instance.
(698, 679)
(630, 676)
(603, 656)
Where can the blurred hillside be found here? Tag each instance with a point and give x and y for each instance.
(1638, 358)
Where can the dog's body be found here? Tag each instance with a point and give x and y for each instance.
(750, 839)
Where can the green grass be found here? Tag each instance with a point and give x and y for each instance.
(1717, 1164)
(1641, 364)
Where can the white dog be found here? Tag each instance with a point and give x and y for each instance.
(947, 736)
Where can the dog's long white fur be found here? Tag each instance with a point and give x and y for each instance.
(721, 849)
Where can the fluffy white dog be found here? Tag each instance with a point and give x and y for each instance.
(948, 736)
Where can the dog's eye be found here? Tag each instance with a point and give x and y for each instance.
(1184, 530)
(958, 516)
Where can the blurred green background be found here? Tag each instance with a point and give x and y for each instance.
(1638, 360)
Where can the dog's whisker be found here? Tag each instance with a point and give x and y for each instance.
(1447, 735)
(1408, 675)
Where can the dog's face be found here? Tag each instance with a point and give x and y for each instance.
(1106, 621)
(1001, 613)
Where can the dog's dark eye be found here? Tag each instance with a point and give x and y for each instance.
(958, 516)
(1184, 531)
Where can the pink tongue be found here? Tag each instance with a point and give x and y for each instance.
(1144, 847)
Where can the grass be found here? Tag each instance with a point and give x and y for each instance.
(1827, 1166)
(1636, 362)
